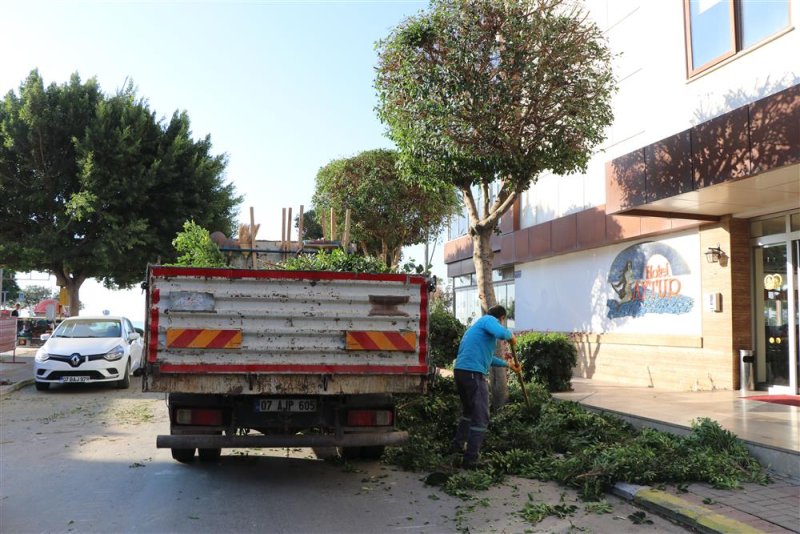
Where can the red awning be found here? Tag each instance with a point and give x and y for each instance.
(41, 307)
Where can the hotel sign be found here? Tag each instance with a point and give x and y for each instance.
(648, 278)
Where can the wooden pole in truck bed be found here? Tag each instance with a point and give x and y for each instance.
(253, 231)
(346, 235)
(283, 226)
(300, 228)
(289, 226)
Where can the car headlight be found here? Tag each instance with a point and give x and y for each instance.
(114, 354)
(42, 355)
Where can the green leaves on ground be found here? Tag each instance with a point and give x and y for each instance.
(640, 518)
(562, 441)
(534, 512)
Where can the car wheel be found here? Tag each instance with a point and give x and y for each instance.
(42, 386)
(184, 456)
(209, 455)
(125, 381)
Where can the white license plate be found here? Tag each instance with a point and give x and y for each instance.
(286, 405)
(79, 378)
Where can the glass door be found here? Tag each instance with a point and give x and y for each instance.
(776, 299)
(775, 315)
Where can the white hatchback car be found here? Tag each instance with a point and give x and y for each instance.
(89, 349)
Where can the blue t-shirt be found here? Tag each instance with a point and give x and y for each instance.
(476, 350)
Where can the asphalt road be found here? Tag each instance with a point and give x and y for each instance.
(83, 459)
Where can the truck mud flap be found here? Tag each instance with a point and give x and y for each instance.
(201, 441)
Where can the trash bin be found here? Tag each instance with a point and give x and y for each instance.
(746, 378)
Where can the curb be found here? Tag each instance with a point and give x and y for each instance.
(5, 390)
(681, 511)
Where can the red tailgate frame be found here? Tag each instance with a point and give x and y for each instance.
(155, 297)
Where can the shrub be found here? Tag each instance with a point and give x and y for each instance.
(547, 358)
(195, 247)
(336, 260)
(444, 335)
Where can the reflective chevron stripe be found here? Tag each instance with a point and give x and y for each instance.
(193, 338)
(386, 341)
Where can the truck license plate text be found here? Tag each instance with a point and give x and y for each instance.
(286, 405)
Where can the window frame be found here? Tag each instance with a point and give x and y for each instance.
(735, 33)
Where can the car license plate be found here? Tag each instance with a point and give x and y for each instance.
(286, 405)
(79, 378)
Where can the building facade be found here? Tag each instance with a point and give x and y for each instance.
(680, 245)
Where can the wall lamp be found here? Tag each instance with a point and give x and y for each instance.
(714, 254)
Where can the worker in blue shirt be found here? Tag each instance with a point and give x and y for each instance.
(475, 356)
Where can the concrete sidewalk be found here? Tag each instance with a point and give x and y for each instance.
(770, 431)
(16, 369)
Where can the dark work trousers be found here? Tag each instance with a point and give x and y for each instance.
(473, 390)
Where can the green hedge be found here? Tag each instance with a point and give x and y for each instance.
(444, 335)
(547, 358)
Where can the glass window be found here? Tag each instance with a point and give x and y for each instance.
(795, 222)
(760, 19)
(711, 30)
(718, 29)
(506, 273)
(774, 226)
(462, 281)
(468, 308)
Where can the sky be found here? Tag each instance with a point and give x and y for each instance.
(282, 88)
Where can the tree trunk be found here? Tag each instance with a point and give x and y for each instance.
(483, 258)
(72, 282)
(73, 290)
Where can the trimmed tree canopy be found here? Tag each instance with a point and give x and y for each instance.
(478, 91)
(95, 186)
(387, 213)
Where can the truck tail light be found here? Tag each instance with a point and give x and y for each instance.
(369, 418)
(198, 417)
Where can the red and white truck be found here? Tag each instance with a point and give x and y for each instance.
(277, 358)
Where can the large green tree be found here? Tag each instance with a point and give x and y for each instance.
(8, 285)
(96, 186)
(387, 213)
(312, 229)
(483, 92)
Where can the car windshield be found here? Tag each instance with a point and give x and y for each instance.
(88, 328)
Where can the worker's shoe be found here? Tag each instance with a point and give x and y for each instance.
(470, 464)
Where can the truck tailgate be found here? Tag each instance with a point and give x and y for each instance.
(239, 331)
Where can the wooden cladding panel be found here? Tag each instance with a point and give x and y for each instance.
(669, 167)
(751, 139)
(775, 130)
(721, 149)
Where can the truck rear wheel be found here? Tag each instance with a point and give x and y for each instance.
(184, 456)
(325, 453)
(372, 452)
(350, 453)
(209, 455)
